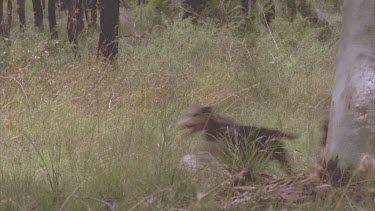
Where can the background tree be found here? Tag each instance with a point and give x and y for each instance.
(9, 15)
(109, 21)
(139, 2)
(38, 13)
(245, 7)
(86, 11)
(52, 18)
(75, 23)
(351, 132)
(5, 28)
(1, 17)
(21, 14)
(92, 4)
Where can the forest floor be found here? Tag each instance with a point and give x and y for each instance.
(76, 133)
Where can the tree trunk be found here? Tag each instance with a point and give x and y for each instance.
(351, 132)
(38, 13)
(5, 28)
(52, 18)
(9, 15)
(75, 23)
(109, 21)
(21, 14)
(141, 2)
(245, 7)
(94, 14)
(1, 17)
(86, 11)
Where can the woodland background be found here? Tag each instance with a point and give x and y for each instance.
(81, 132)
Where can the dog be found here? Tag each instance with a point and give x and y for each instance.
(266, 142)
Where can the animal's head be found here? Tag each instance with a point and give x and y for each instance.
(195, 118)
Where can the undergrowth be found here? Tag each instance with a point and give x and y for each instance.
(77, 134)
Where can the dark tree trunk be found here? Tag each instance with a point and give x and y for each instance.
(1, 17)
(44, 4)
(52, 18)
(75, 23)
(38, 13)
(245, 7)
(86, 11)
(5, 26)
(141, 2)
(21, 14)
(94, 14)
(9, 15)
(109, 21)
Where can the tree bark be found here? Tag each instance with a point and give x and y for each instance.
(52, 18)
(351, 130)
(245, 7)
(141, 2)
(9, 15)
(75, 23)
(38, 13)
(5, 28)
(109, 22)
(21, 14)
(1, 17)
(86, 11)
(94, 14)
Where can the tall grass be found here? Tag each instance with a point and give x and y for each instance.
(77, 134)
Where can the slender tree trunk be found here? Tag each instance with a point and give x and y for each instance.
(86, 11)
(9, 15)
(1, 17)
(5, 27)
(141, 2)
(351, 131)
(75, 23)
(21, 14)
(94, 14)
(245, 7)
(109, 21)
(52, 18)
(38, 13)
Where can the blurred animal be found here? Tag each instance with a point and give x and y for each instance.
(266, 142)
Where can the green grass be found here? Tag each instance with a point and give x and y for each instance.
(75, 132)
